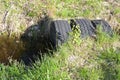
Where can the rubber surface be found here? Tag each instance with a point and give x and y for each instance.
(85, 25)
(59, 32)
(31, 38)
(44, 24)
(105, 26)
(36, 43)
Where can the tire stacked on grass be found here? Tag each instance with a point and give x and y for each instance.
(86, 27)
(59, 32)
(48, 34)
(36, 40)
(105, 26)
(55, 32)
(31, 38)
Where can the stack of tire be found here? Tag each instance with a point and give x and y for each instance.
(48, 34)
(60, 29)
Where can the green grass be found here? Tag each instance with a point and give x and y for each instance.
(84, 61)
(78, 59)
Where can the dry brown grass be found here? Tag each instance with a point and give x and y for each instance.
(111, 13)
(10, 47)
